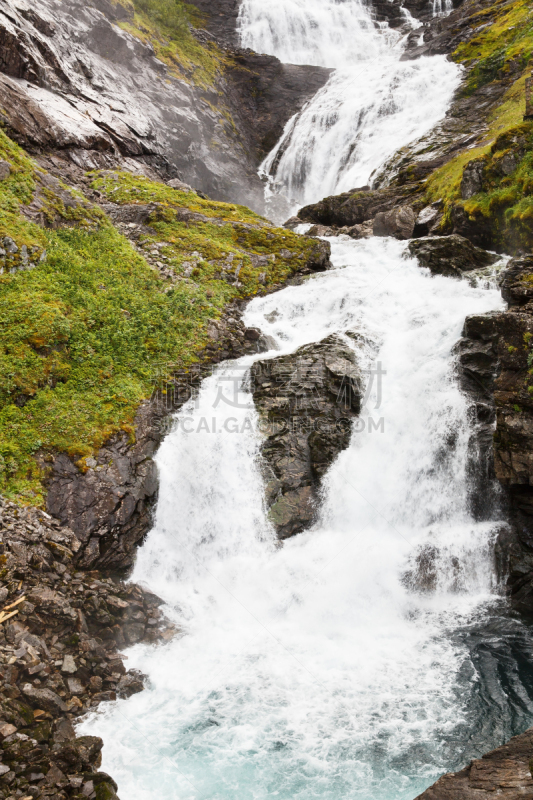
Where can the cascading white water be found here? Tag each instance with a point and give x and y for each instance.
(373, 105)
(318, 670)
(441, 8)
(313, 671)
(327, 33)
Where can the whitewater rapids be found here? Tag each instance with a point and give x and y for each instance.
(312, 670)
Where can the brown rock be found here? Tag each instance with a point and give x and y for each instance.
(503, 773)
(44, 698)
(399, 223)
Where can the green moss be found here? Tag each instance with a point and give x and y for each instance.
(502, 47)
(123, 187)
(507, 199)
(166, 25)
(445, 183)
(84, 335)
(503, 44)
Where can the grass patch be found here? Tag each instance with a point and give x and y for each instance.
(503, 46)
(166, 24)
(84, 334)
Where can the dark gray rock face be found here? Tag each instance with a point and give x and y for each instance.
(494, 361)
(351, 208)
(221, 16)
(307, 402)
(266, 93)
(478, 368)
(504, 773)
(450, 255)
(72, 80)
(109, 507)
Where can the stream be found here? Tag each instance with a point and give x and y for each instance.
(320, 668)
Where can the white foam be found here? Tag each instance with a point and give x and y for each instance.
(311, 671)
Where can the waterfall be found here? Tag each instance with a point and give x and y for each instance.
(328, 667)
(441, 8)
(326, 34)
(373, 105)
(317, 670)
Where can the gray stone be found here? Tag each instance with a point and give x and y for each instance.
(307, 402)
(69, 665)
(399, 223)
(472, 181)
(5, 170)
(44, 698)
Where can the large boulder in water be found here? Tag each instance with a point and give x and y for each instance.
(307, 401)
(450, 255)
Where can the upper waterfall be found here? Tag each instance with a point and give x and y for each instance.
(373, 105)
(325, 34)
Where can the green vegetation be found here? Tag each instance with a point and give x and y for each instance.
(504, 43)
(507, 199)
(86, 332)
(169, 14)
(165, 24)
(502, 48)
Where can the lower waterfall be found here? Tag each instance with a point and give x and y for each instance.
(314, 670)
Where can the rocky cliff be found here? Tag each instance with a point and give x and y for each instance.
(504, 773)
(104, 84)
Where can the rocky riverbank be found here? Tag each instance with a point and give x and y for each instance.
(504, 773)
(61, 633)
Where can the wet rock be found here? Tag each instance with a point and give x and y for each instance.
(319, 258)
(321, 230)
(44, 698)
(270, 93)
(363, 231)
(399, 223)
(307, 402)
(450, 255)
(423, 575)
(130, 684)
(59, 656)
(504, 773)
(517, 283)
(428, 221)
(494, 361)
(352, 208)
